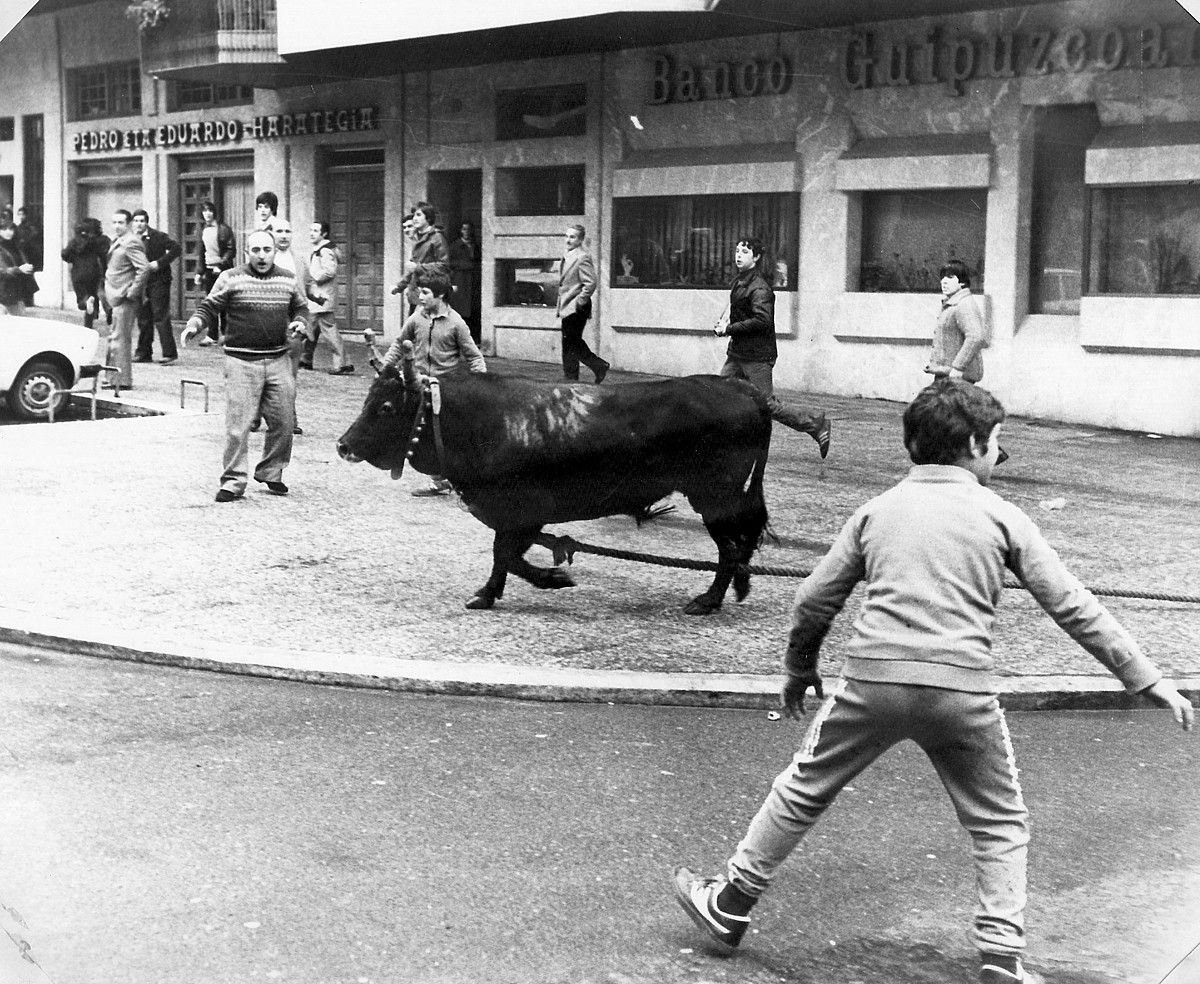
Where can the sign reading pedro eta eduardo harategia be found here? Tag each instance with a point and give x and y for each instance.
(205, 133)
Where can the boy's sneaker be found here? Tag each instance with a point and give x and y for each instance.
(697, 896)
(996, 969)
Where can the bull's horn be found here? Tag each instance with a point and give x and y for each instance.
(412, 379)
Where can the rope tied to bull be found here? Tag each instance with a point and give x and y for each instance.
(564, 549)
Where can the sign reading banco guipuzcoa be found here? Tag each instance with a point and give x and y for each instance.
(207, 133)
(953, 58)
(671, 83)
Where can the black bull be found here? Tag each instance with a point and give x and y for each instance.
(523, 454)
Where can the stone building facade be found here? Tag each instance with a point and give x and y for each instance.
(1055, 148)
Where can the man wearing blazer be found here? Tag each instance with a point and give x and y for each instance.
(155, 314)
(124, 279)
(576, 287)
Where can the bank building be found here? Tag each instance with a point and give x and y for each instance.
(1052, 147)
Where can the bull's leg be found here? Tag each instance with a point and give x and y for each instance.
(508, 556)
(539, 577)
(486, 596)
(727, 559)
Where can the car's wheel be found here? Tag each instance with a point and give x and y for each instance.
(30, 394)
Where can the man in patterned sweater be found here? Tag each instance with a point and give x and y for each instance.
(263, 307)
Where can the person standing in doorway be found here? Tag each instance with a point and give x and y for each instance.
(749, 323)
(429, 253)
(576, 288)
(322, 303)
(465, 274)
(266, 206)
(155, 312)
(218, 252)
(124, 279)
(13, 270)
(264, 308)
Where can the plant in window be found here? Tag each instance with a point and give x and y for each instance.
(147, 13)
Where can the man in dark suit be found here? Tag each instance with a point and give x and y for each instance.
(155, 312)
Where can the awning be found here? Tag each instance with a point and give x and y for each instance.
(951, 160)
(380, 38)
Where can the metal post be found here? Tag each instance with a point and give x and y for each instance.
(184, 383)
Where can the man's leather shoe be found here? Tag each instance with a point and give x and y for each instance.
(344, 371)
(276, 488)
(225, 495)
(141, 358)
(168, 362)
(306, 365)
(601, 372)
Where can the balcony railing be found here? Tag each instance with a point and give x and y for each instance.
(227, 41)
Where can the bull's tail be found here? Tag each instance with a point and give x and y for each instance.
(758, 502)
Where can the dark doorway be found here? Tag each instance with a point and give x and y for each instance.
(458, 198)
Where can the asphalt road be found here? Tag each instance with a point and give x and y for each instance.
(163, 825)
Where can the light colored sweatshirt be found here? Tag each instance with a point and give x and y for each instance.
(440, 344)
(933, 551)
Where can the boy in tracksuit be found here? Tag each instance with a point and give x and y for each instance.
(933, 550)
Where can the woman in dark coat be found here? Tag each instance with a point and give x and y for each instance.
(29, 240)
(87, 252)
(13, 270)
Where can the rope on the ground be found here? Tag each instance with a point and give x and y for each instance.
(567, 546)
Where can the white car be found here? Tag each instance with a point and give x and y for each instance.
(40, 360)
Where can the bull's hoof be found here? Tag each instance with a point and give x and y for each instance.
(741, 586)
(556, 577)
(701, 605)
(481, 602)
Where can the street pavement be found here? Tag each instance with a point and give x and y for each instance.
(113, 545)
(163, 825)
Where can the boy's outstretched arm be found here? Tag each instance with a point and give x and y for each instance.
(818, 600)
(1165, 695)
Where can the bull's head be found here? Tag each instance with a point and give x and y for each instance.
(382, 431)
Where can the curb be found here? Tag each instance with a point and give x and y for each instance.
(467, 679)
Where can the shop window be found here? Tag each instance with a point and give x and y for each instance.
(908, 235)
(527, 283)
(1145, 240)
(546, 111)
(202, 95)
(1058, 210)
(7, 127)
(105, 90)
(540, 190)
(689, 240)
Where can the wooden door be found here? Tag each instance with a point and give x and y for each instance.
(356, 227)
(233, 196)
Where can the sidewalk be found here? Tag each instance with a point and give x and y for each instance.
(113, 545)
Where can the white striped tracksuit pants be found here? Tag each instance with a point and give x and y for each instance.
(966, 739)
